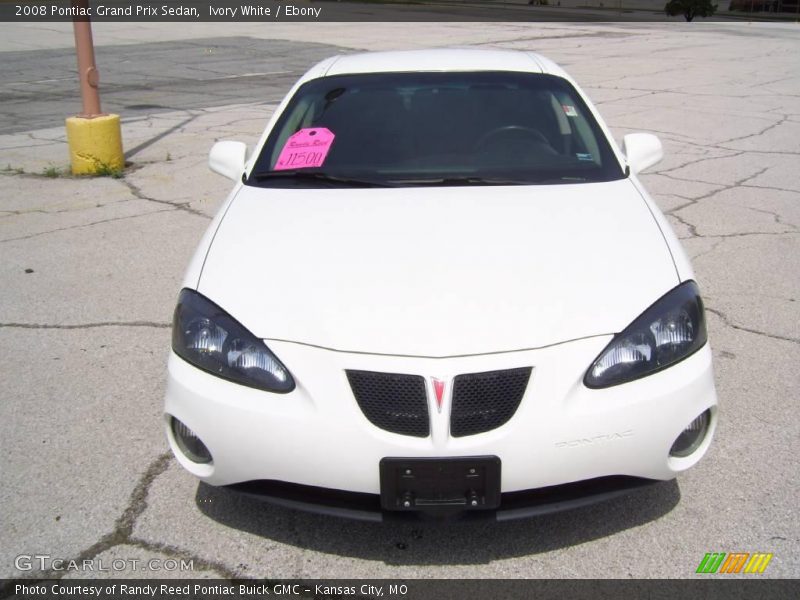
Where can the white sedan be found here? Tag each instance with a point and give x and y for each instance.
(438, 286)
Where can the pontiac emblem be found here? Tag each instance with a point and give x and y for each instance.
(438, 388)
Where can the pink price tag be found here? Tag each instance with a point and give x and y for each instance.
(305, 149)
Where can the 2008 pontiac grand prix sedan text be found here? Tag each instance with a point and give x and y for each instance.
(438, 286)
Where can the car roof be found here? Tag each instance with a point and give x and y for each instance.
(441, 59)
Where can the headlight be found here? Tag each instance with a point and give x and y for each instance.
(210, 339)
(667, 332)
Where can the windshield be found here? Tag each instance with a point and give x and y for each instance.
(406, 129)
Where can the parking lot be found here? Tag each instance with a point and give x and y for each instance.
(91, 269)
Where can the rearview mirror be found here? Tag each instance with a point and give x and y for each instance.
(642, 150)
(228, 159)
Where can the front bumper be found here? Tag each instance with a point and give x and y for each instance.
(562, 432)
(513, 505)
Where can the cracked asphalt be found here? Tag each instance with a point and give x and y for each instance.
(91, 269)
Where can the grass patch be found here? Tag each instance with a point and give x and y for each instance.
(52, 172)
(16, 170)
(105, 170)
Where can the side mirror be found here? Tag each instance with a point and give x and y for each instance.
(642, 150)
(228, 159)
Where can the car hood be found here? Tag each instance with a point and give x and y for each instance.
(441, 271)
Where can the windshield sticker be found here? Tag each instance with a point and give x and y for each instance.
(583, 156)
(305, 149)
(569, 110)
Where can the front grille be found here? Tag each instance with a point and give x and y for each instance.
(485, 401)
(393, 402)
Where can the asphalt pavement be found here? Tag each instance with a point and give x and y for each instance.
(91, 269)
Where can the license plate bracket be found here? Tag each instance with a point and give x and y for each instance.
(430, 484)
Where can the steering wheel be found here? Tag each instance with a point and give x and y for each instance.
(519, 131)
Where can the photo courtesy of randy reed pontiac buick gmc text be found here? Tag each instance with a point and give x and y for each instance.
(195, 590)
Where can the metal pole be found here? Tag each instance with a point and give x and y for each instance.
(87, 70)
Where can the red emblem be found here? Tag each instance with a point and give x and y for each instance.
(438, 388)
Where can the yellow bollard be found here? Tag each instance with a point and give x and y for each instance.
(94, 138)
(95, 145)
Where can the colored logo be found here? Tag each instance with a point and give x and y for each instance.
(438, 388)
(734, 562)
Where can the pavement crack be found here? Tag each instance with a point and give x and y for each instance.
(185, 555)
(778, 152)
(698, 161)
(753, 176)
(721, 187)
(152, 324)
(18, 213)
(726, 320)
(184, 206)
(566, 36)
(122, 534)
(690, 226)
(26, 175)
(776, 217)
(723, 236)
(33, 235)
(59, 139)
(782, 120)
(769, 187)
(675, 209)
(123, 526)
(713, 247)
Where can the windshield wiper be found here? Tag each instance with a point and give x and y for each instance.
(458, 181)
(318, 176)
(445, 181)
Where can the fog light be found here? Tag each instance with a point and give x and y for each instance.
(189, 443)
(691, 437)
